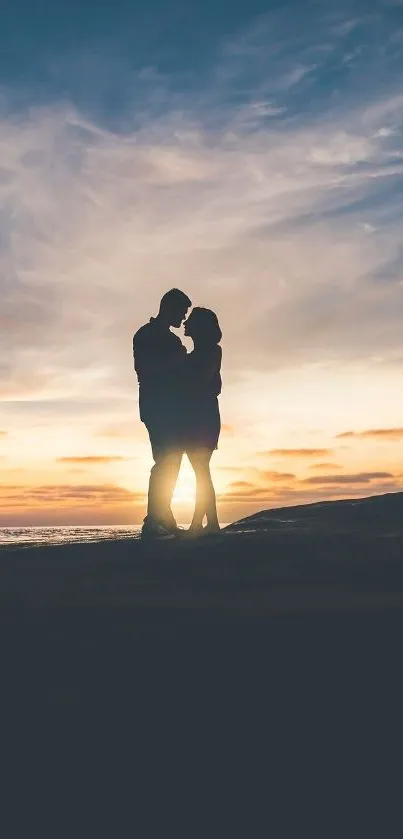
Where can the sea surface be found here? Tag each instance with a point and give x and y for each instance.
(29, 536)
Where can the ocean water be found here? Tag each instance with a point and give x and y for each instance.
(29, 536)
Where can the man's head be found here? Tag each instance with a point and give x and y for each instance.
(174, 306)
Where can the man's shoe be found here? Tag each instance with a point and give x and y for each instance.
(157, 530)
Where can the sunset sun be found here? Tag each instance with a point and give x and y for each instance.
(185, 489)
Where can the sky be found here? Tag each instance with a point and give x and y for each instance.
(250, 154)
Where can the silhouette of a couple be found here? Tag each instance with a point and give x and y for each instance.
(178, 400)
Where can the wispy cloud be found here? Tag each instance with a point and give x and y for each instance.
(102, 494)
(361, 478)
(375, 434)
(325, 466)
(267, 182)
(93, 460)
(277, 476)
(295, 453)
(233, 504)
(120, 430)
(84, 504)
(139, 207)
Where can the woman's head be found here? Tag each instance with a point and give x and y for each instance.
(203, 327)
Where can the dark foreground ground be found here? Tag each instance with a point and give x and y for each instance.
(246, 684)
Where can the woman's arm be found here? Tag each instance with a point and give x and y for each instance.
(149, 360)
(211, 365)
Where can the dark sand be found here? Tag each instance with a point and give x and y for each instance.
(252, 680)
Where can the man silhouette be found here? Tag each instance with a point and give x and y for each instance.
(158, 361)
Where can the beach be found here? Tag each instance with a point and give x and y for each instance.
(276, 644)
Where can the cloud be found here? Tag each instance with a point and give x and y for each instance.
(376, 434)
(298, 452)
(277, 476)
(93, 460)
(196, 187)
(360, 478)
(234, 508)
(325, 466)
(253, 494)
(103, 495)
(62, 504)
(331, 486)
(125, 430)
(252, 489)
(245, 183)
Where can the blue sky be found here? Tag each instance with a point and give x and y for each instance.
(96, 55)
(250, 153)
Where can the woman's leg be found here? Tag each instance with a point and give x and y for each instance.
(205, 494)
(196, 461)
(211, 502)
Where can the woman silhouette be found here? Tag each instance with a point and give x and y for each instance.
(202, 414)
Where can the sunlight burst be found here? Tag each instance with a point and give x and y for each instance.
(185, 487)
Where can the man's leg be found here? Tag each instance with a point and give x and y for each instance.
(163, 477)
